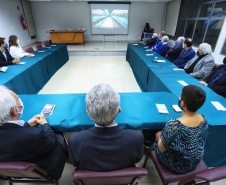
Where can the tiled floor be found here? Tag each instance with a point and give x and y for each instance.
(79, 74)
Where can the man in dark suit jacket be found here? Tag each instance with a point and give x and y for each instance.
(152, 41)
(22, 141)
(175, 52)
(5, 57)
(106, 146)
(217, 79)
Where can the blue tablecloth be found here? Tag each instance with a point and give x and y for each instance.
(30, 77)
(138, 110)
(161, 77)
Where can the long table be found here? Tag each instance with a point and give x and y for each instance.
(29, 78)
(138, 110)
(162, 77)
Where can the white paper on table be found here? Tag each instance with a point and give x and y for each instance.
(161, 61)
(53, 45)
(149, 54)
(3, 69)
(148, 49)
(135, 44)
(22, 63)
(41, 51)
(218, 105)
(162, 108)
(177, 69)
(182, 82)
(48, 47)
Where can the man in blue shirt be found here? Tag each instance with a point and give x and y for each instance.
(159, 41)
(186, 55)
(164, 47)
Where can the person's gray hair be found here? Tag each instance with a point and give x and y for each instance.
(165, 38)
(205, 48)
(7, 101)
(102, 103)
(171, 43)
(181, 40)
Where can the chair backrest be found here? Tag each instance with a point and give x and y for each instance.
(38, 46)
(124, 176)
(20, 169)
(29, 50)
(46, 43)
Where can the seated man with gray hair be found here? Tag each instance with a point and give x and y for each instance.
(164, 47)
(22, 141)
(105, 146)
(201, 65)
(151, 42)
(175, 52)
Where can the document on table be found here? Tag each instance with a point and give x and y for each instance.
(135, 44)
(177, 69)
(53, 45)
(218, 105)
(22, 63)
(161, 61)
(3, 69)
(149, 54)
(148, 49)
(48, 47)
(182, 82)
(162, 108)
(41, 51)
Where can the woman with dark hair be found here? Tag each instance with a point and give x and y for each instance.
(15, 49)
(217, 79)
(180, 145)
(147, 29)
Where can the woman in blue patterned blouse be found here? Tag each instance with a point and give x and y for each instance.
(180, 145)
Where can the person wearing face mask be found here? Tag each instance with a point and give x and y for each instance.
(180, 145)
(15, 49)
(164, 47)
(5, 57)
(152, 41)
(186, 55)
(216, 80)
(202, 64)
(175, 52)
(23, 141)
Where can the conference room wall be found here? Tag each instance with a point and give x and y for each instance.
(72, 15)
(10, 22)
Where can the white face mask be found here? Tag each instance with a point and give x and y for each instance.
(17, 41)
(22, 108)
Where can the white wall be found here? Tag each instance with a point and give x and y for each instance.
(10, 22)
(72, 15)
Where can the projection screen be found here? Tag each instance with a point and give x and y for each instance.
(109, 18)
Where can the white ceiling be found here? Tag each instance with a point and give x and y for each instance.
(110, 0)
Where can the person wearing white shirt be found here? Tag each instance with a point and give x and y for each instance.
(15, 49)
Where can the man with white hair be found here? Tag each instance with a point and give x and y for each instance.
(202, 64)
(22, 141)
(105, 146)
(175, 52)
(152, 41)
(164, 47)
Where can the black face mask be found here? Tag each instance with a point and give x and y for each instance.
(198, 52)
(224, 61)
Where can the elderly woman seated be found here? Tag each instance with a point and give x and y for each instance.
(164, 47)
(201, 65)
(217, 79)
(180, 145)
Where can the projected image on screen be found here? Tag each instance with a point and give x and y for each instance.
(109, 20)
